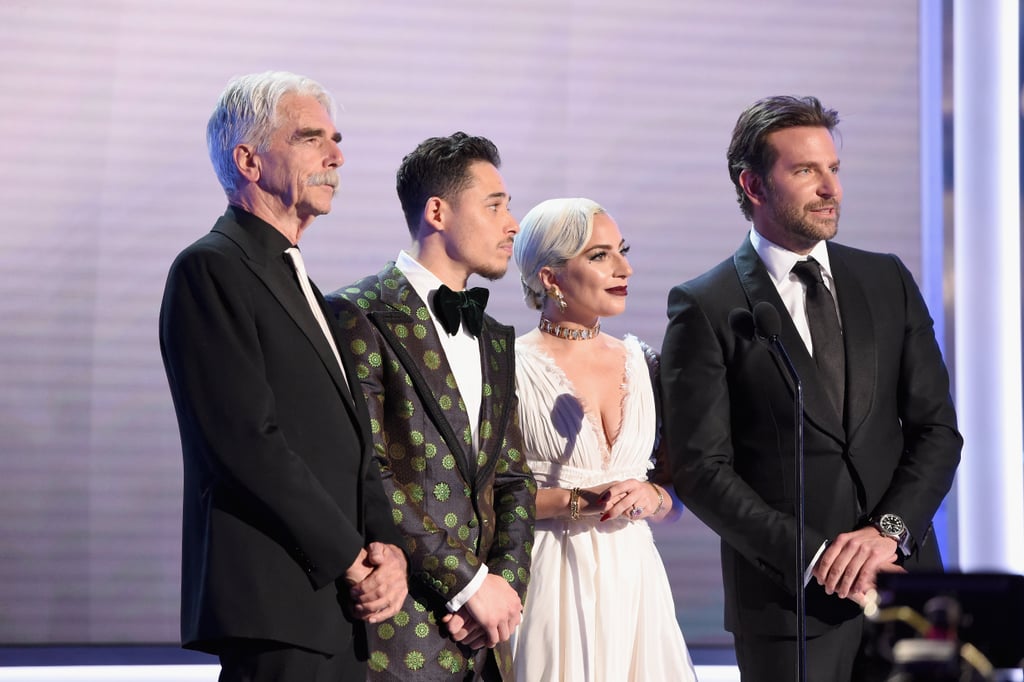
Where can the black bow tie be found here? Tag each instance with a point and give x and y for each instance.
(451, 307)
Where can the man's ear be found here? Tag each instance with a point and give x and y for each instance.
(435, 213)
(753, 187)
(247, 162)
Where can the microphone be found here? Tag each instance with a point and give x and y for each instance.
(742, 323)
(765, 324)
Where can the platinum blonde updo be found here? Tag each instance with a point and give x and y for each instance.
(550, 234)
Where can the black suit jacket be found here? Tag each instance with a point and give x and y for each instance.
(280, 492)
(730, 430)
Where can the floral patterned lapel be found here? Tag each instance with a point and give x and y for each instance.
(408, 329)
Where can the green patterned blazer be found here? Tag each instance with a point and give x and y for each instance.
(455, 507)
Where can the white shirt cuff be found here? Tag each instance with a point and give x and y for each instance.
(814, 562)
(459, 600)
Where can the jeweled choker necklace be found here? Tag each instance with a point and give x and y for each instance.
(570, 333)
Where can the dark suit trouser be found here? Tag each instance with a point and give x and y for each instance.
(263, 661)
(832, 657)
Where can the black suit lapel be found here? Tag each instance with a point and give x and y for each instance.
(758, 286)
(280, 280)
(858, 339)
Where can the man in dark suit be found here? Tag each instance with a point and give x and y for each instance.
(440, 377)
(881, 439)
(288, 543)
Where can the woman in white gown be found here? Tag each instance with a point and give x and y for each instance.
(599, 607)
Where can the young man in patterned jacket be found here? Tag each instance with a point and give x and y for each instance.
(439, 378)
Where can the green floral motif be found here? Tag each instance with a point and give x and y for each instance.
(502, 467)
(431, 359)
(513, 455)
(463, 533)
(414, 660)
(430, 563)
(448, 461)
(416, 437)
(378, 661)
(448, 661)
(521, 511)
(421, 630)
(442, 491)
(396, 515)
(421, 608)
(467, 436)
(401, 331)
(402, 619)
(372, 295)
(449, 381)
(363, 303)
(415, 491)
(385, 630)
(419, 331)
(422, 313)
(362, 371)
(486, 428)
(481, 458)
(430, 449)
(488, 391)
(374, 359)
(429, 525)
(358, 346)
(508, 575)
(419, 463)
(450, 562)
(374, 426)
(450, 519)
(445, 402)
(523, 575)
(406, 409)
(391, 283)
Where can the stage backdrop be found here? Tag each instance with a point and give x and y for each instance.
(104, 178)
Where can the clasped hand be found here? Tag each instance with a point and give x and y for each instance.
(850, 565)
(631, 499)
(490, 616)
(378, 582)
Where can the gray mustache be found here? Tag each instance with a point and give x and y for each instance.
(325, 178)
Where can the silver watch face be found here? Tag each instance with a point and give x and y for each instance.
(891, 525)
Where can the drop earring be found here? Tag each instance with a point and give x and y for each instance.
(556, 293)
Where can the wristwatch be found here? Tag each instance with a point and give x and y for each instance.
(892, 526)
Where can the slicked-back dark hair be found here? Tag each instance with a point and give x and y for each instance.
(749, 148)
(439, 167)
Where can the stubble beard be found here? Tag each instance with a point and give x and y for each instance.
(797, 222)
(492, 273)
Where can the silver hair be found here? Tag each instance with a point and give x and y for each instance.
(246, 113)
(550, 234)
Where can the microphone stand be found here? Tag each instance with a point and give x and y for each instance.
(766, 320)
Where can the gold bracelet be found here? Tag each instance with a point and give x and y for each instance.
(574, 504)
(661, 499)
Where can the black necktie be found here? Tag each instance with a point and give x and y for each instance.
(826, 334)
(451, 307)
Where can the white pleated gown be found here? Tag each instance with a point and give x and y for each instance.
(599, 607)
